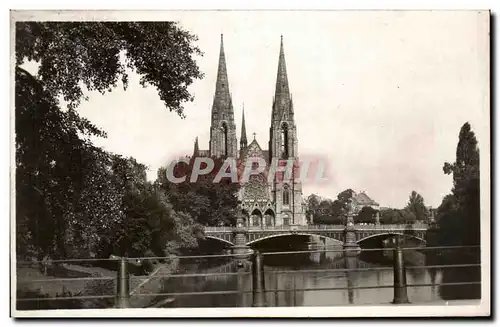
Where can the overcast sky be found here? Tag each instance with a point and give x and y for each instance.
(381, 95)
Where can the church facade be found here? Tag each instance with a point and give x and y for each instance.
(265, 202)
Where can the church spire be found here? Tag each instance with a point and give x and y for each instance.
(282, 99)
(222, 98)
(243, 139)
(223, 142)
(282, 88)
(196, 151)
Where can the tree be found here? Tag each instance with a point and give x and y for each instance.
(150, 223)
(341, 204)
(365, 215)
(53, 168)
(209, 203)
(68, 199)
(325, 214)
(77, 54)
(407, 216)
(397, 216)
(417, 207)
(458, 218)
(333, 212)
(459, 213)
(312, 207)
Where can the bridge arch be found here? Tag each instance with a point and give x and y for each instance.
(219, 239)
(388, 234)
(291, 234)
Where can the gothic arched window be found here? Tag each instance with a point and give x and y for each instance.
(224, 139)
(284, 140)
(286, 195)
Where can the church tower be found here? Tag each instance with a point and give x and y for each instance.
(223, 141)
(283, 145)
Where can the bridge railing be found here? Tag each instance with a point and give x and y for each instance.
(276, 228)
(416, 226)
(392, 226)
(121, 298)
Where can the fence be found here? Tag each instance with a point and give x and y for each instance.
(123, 281)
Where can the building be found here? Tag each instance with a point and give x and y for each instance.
(265, 203)
(361, 200)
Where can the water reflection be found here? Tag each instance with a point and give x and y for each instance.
(287, 286)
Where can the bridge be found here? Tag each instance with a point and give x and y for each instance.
(347, 235)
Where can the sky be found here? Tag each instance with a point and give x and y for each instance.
(380, 94)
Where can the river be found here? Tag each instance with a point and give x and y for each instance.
(287, 285)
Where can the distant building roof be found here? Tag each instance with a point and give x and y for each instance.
(361, 199)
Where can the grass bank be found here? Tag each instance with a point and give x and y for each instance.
(68, 280)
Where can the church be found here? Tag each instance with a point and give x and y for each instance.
(264, 202)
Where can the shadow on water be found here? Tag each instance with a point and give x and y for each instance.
(458, 274)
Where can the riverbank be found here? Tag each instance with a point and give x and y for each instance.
(70, 280)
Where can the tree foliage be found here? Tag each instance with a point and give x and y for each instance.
(326, 211)
(74, 199)
(417, 207)
(312, 207)
(459, 213)
(209, 203)
(76, 55)
(397, 216)
(55, 170)
(365, 215)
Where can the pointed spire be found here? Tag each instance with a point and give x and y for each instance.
(282, 89)
(222, 97)
(282, 99)
(196, 151)
(243, 139)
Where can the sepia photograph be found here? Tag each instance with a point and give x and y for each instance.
(239, 163)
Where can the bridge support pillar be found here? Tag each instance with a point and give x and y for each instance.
(350, 245)
(240, 240)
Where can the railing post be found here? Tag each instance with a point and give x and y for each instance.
(122, 285)
(258, 285)
(400, 292)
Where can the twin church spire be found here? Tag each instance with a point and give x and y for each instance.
(282, 103)
(223, 141)
(222, 98)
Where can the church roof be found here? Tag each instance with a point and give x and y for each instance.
(254, 150)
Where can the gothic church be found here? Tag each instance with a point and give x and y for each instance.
(264, 203)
